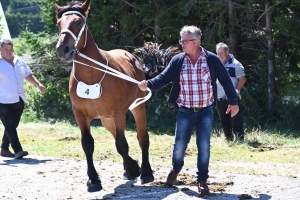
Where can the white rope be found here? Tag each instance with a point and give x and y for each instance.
(116, 73)
(91, 67)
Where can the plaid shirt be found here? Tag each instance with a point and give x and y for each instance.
(195, 84)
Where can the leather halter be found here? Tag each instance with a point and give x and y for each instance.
(84, 26)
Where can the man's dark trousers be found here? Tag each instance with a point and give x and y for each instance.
(10, 115)
(226, 120)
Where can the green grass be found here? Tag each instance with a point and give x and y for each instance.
(261, 153)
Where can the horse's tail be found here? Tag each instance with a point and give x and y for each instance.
(153, 59)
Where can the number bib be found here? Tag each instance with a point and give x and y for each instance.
(88, 91)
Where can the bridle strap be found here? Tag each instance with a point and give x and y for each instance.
(66, 30)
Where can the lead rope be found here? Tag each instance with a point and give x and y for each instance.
(116, 73)
(90, 66)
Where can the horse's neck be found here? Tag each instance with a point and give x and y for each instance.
(86, 71)
(92, 50)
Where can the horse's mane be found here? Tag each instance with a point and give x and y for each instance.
(71, 6)
(153, 59)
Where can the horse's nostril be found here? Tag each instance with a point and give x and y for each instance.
(66, 49)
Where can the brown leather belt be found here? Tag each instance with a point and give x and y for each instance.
(193, 109)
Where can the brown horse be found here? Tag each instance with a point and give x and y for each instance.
(96, 92)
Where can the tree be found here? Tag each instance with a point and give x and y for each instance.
(23, 15)
(231, 23)
(272, 94)
(264, 39)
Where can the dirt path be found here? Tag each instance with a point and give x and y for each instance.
(36, 177)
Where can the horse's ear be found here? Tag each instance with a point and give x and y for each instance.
(86, 7)
(57, 7)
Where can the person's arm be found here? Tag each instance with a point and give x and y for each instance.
(240, 75)
(241, 82)
(31, 79)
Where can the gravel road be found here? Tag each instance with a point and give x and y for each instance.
(36, 177)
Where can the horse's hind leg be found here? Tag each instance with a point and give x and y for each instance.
(140, 117)
(87, 142)
(117, 127)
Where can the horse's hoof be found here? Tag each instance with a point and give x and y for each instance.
(94, 188)
(147, 179)
(126, 176)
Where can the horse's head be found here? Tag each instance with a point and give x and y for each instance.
(71, 20)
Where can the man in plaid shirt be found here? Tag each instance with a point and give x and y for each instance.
(193, 74)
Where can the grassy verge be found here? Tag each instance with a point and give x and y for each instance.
(262, 152)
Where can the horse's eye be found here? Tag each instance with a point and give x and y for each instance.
(79, 23)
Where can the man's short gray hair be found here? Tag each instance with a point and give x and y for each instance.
(193, 31)
(223, 45)
(6, 41)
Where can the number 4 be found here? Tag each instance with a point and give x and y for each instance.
(87, 91)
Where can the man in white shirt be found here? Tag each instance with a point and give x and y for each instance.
(237, 75)
(13, 71)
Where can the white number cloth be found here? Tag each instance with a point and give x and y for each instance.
(88, 91)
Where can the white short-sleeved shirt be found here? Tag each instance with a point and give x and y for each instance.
(235, 70)
(12, 80)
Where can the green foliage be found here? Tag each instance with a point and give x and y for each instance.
(55, 104)
(53, 74)
(1, 27)
(5, 4)
(289, 115)
(128, 24)
(20, 46)
(23, 15)
(254, 95)
(48, 14)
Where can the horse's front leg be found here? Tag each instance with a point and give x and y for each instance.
(131, 167)
(87, 142)
(117, 127)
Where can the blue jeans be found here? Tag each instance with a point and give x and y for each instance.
(185, 122)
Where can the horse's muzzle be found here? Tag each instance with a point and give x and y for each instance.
(65, 53)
